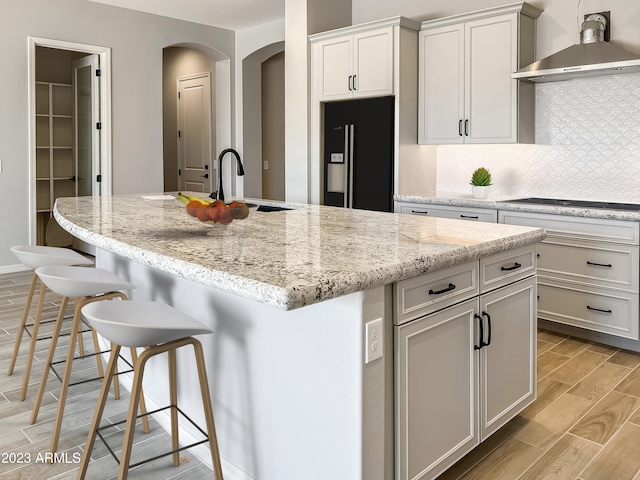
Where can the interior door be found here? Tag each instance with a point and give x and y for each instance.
(86, 99)
(195, 172)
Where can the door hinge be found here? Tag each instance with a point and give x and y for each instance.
(179, 134)
(99, 125)
(179, 172)
(98, 178)
(178, 95)
(98, 72)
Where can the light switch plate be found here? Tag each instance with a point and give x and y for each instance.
(374, 341)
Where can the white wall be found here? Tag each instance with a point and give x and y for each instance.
(136, 40)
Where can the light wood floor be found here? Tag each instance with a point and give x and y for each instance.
(584, 425)
(21, 440)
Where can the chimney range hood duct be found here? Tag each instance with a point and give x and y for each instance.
(592, 57)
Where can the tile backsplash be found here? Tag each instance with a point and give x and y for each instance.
(587, 146)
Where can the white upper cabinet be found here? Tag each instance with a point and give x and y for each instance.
(355, 65)
(466, 93)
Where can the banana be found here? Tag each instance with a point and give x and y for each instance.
(189, 198)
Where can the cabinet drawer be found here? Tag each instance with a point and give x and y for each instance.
(472, 214)
(598, 229)
(600, 264)
(600, 310)
(508, 267)
(427, 293)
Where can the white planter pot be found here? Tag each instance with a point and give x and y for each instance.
(480, 191)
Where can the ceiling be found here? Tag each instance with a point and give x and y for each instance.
(230, 14)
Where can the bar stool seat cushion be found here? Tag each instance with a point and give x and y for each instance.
(34, 256)
(71, 281)
(141, 324)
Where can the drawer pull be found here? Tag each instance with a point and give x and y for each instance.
(599, 310)
(418, 211)
(448, 289)
(478, 347)
(470, 216)
(599, 264)
(515, 266)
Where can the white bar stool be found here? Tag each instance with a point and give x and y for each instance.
(85, 285)
(159, 328)
(35, 256)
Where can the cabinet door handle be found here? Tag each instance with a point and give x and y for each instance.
(515, 267)
(469, 216)
(485, 314)
(466, 127)
(445, 290)
(354, 82)
(599, 310)
(599, 264)
(460, 127)
(349, 82)
(421, 213)
(478, 347)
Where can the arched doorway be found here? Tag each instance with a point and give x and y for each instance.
(262, 116)
(183, 63)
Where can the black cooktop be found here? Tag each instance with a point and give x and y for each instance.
(576, 203)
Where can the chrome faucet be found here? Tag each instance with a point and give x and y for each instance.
(220, 192)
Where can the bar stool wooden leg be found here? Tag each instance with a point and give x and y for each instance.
(97, 417)
(173, 400)
(52, 349)
(116, 382)
(66, 377)
(25, 315)
(75, 328)
(136, 391)
(81, 346)
(208, 410)
(32, 343)
(143, 406)
(96, 348)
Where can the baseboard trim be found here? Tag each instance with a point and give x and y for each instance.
(13, 268)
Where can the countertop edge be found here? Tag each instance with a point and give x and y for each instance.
(300, 296)
(504, 204)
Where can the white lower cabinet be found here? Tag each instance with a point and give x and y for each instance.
(461, 373)
(588, 275)
(436, 395)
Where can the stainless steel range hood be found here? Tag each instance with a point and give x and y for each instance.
(593, 56)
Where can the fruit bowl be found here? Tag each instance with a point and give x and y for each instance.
(215, 212)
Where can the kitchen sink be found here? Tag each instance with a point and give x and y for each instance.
(575, 203)
(271, 208)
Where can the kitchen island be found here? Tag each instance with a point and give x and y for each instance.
(288, 295)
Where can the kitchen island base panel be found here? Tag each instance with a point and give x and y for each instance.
(290, 389)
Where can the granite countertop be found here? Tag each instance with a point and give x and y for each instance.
(287, 259)
(502, 203)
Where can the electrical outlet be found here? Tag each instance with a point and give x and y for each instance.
(374, 342)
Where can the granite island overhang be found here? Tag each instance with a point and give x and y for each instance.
(288, 294)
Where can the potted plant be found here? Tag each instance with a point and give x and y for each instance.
(481, 183)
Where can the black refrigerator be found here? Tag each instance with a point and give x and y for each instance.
(358, 154)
